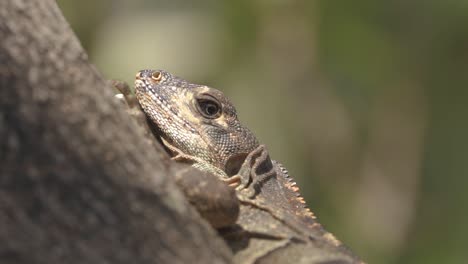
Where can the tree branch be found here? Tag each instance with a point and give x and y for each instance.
(79, 182)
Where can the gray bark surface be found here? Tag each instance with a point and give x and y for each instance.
(79, 181)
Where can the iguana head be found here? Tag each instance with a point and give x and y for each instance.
(196, 119)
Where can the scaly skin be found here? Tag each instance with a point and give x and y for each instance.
(199, 126)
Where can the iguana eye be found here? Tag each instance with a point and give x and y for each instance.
(156, 76)
(208, 108)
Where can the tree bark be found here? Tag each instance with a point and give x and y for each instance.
(79, 181)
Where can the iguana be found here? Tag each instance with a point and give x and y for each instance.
(265, 220)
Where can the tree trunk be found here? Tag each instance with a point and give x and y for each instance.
(79, 181)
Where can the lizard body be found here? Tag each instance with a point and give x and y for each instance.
(199, 126)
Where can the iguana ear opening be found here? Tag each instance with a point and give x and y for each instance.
(234, 163)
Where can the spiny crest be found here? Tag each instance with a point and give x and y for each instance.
(291, 185)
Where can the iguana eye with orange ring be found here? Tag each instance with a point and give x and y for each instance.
(208, 107)
(156, 76)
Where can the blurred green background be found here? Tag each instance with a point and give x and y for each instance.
(365, 102)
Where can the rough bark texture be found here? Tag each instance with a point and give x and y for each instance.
(78, 180)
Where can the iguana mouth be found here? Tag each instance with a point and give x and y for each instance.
(144, 88)
(160, 136)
